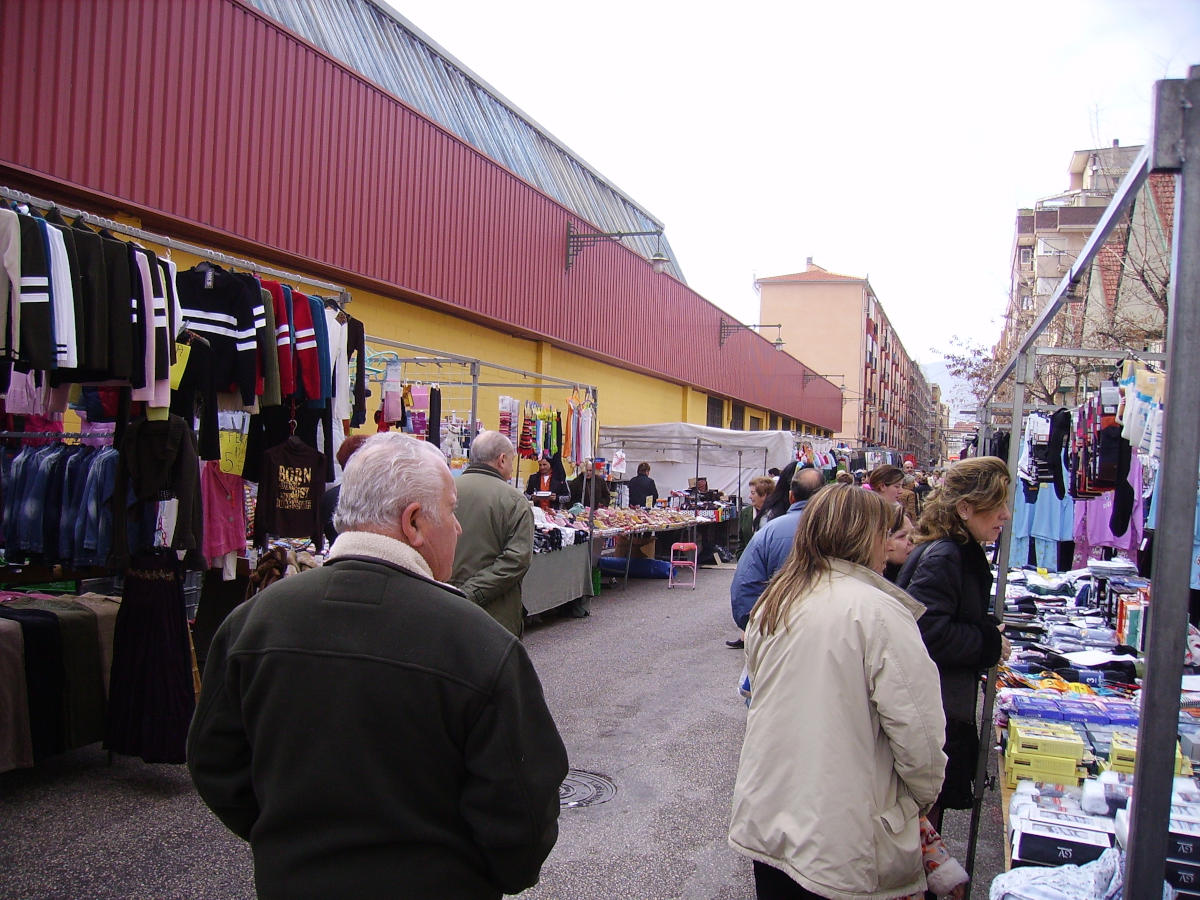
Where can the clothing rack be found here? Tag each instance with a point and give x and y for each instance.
(203, 252)
(56, 434)
(1174, 148)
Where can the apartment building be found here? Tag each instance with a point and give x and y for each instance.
(1048, 238)
(837, 325)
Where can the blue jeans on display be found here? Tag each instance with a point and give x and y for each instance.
(1047, 554)
(1018, 554)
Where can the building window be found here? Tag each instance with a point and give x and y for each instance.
(773, 422)
(737, 417)
(756, 423)
(1026, 256)
(1026, 302)
(716, 412)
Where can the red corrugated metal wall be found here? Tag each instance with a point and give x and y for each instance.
(206, 113)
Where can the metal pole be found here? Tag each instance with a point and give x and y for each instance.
(475, 402)
(1177, 139)
(740, 488)
(986, 732)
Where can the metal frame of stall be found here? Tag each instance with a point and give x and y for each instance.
(616, 444)
(1174, 147)
(475, 365)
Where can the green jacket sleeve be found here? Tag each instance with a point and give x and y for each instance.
(504, 574)
(218, 749)
(515, 761)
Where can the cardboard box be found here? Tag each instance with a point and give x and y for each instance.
(1012, 774)
(1058, 765)
(1183, 875)
(1037, 707)
(1183, 840)
(1189, 742)
(1057, 845)
(1080, 709)
(1102, 824)
(1123, 755)
(1027, 738)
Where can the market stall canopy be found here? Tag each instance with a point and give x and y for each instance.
(672, 449)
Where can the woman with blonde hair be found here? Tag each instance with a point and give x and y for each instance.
(843, 745)
(949, 573)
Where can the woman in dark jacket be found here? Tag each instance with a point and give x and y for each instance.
(949, 573)
(779, 501)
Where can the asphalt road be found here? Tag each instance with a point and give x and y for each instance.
(644, 692)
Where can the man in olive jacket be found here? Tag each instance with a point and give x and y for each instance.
(496, 545)
(364, 726)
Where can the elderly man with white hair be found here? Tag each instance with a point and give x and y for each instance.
(365, 727)
(496, 546)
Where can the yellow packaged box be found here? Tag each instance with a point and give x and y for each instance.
(1013, 774)
(1028, 738)
(1063, 766)
(1123, 755)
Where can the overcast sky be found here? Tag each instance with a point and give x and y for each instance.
(894, 140)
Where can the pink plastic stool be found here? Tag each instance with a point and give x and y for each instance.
(682, 562)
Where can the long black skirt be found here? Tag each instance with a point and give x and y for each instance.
(151, 693)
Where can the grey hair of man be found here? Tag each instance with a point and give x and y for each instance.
(805, 483)
(488, 447)
(386, 474)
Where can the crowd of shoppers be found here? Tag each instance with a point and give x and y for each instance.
(866, 624)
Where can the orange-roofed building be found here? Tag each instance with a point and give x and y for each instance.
(836, 324)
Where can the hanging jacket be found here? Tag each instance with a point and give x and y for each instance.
(156, 457)
(283, 338)
(219, 306)
(120, 317)
(308, 365)
(356, 346)
(10, 284)
(36, 348)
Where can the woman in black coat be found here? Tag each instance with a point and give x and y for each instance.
(780, 500)
(949, 573)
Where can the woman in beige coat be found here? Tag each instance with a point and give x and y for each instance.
(843, 746)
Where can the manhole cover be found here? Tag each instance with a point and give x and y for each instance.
(581, 788)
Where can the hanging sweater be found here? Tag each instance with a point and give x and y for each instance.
(120, 293)
(308, 365)
(283, 338)
(216, 304)
(157, 457)
(37, 321)
(356, 346)
(10, 283)
(289, 495)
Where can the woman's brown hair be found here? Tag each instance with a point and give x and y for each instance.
(841, 521)
(981, 483)
(762, 485)
(883, 476)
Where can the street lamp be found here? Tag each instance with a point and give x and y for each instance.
(577, 241)
(731, 328)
